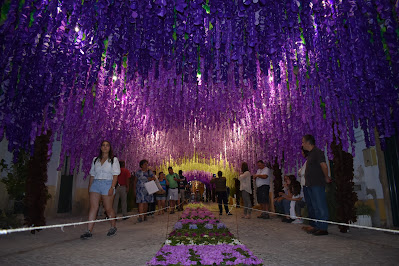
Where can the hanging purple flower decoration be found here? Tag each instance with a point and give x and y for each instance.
(151, 72)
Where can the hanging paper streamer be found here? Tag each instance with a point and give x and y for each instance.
(233, 81)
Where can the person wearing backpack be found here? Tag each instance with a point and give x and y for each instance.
(104, 173)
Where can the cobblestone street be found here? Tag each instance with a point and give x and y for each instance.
(275, 242)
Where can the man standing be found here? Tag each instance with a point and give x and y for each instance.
(238, 192)
(122, 189)
(172, 180)
(262, 177)
(316, 177)
(221, 192)
(182, 190)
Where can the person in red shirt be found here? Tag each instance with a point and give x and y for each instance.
(122, 189)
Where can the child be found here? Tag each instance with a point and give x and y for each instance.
(296, 202)
(291, 199)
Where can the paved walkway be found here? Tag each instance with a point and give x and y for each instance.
(275, 242)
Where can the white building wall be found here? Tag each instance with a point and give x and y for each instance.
(367, 176)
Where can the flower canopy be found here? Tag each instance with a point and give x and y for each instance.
(202, 176)
(230, 80)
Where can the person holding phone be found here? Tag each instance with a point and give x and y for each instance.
(172, 180)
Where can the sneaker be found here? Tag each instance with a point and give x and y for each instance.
(266, 216)
(287, 220)
(312, 231)
(220, 213)
(86, 235)
(307, 228)
(298, 221)
(229, 213)
(112, 231)
(320, 233)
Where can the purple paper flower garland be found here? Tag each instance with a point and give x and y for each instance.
(202, 176)
(238, 82)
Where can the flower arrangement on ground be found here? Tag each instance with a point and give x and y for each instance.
(200, 239)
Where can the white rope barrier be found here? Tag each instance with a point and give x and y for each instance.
(24, 229)
(326, 221)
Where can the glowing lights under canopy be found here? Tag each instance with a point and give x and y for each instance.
(212, 79)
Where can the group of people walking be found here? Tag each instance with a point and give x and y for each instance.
(109, 181)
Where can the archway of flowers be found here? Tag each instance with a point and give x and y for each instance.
(201, 176)
(202, 169)
(230, 80)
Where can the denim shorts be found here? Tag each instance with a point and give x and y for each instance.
(161, 197)
(101, 186)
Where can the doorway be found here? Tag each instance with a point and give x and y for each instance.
(391, 154)
(65, 194)
(197, 190)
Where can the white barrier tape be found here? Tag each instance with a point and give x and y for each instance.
(24, 229)
(329, 222)
(229, 209)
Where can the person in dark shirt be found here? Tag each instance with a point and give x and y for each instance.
(238, 192)
(182, 190)
(122, 189)
(316, 177)
(221, 192)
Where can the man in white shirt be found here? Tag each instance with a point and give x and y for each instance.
(263, 176)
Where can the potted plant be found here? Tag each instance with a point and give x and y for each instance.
(364, 212)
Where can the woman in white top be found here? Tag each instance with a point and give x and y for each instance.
(103, 178)
(245, 187)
